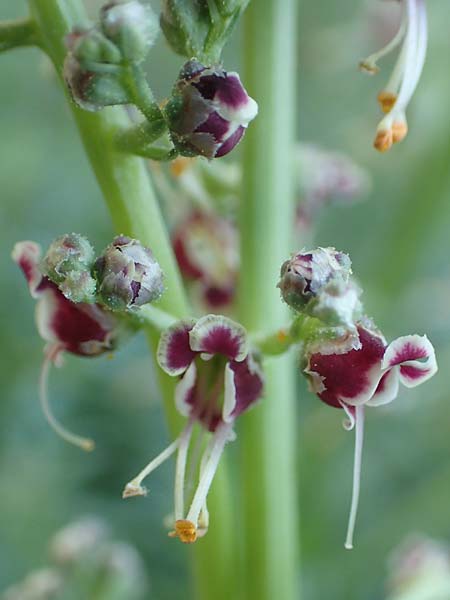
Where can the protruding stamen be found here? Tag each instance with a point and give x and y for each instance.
(134, 487)
(83, 443)
(180, 470)
(185, 530)
(369, 64)
(221, 436)
(359, 437)
(399, 130)
(383, 140)
(386, 100)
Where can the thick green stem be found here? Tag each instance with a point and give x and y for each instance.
(126, 186)
(268, 436)
(18, 33)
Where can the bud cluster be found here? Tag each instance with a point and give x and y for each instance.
(95, 68)
(125, 276)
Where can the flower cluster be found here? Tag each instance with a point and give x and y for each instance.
(345, 358)
(209, 111)
(396, 95)
(220, 378)
(72, 313)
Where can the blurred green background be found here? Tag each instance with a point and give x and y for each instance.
(399, 243)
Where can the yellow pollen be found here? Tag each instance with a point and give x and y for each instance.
(399, 131)
(386, 100)
(383, 140)
(185, 530)
(282, 335)
(180, 165)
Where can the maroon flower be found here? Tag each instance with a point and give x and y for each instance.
(209, 111)
(206, 247)
(78, 328)
(219, 380)
(367, 376)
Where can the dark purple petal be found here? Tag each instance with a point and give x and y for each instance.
(249, 384)
(208, 85)
(215, 334)
(230, 91)
(218, 297)
(414, 356)
(230, 142)
(351, 377)
(214, 125)
(174, 352)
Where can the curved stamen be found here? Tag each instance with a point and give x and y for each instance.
(134, 487)
(410, 45)
(359, 437)
(421, 50)
(370, 63)
(83, 443)
(221, 436)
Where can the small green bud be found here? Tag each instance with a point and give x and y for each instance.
(68, 263)
(91, 46)
(128, 275)
(132, 26)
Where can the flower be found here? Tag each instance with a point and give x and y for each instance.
(206, 248)
(128, 274)
(395, 97)
(77, 328)
(367, 376)
(219, 380)
(208, 111)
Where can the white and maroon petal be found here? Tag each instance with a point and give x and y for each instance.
(184, 390)
(229, 395)
(248, 382)
(387, 389)
(215, 334)
(233, 103)
(28, 255)
(351, 377)
(415, 358)
(82, 329)
(174, 353)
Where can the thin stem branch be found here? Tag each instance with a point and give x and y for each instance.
(268, 437)
(17, 34)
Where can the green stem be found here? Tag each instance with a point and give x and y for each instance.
(268, 435)
(16, 34)
(126, 186)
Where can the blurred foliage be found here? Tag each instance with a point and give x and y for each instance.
(399, 245)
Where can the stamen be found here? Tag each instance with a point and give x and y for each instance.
(185, 530)
(384, 137)
(83, 443)
(180, 469)
(370, 63)
(386, 100)
(359, 437)
(221, 436)
(134, 487)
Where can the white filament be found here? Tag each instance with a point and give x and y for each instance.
(152, 465)
(83, 443)
(180, 469)
(359, 437)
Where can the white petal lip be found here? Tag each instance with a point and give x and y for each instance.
(390, 389)
(27, 256)
(415, 358)
(163, 354)
(229, 402)
(184, 388)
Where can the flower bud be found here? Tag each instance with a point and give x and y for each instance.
(132, 26)
(128, 275)
(68, 263)
(92, 70)
(209, 111)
